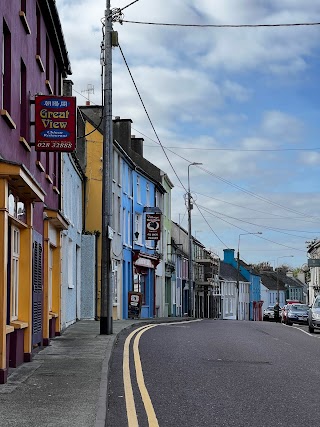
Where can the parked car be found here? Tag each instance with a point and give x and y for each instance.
(268, 313)
(314, 315)
(295, 313)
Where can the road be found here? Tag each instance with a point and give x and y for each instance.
(215, 373)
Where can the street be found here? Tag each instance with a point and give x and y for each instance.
(215, 373)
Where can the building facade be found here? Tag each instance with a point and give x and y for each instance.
(34, 60)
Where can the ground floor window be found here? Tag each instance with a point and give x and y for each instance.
(139, 285)
(15, 256)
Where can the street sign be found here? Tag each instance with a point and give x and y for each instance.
(153, 226)
(313, 262)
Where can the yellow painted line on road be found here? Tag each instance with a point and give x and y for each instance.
(127, 383)
(152, 418)
(128, 392)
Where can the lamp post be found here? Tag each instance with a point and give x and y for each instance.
(238, 270)
(190, 265)
(284, 256)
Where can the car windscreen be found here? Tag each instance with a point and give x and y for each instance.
(299, 307)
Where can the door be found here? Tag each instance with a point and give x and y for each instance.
(37, 289)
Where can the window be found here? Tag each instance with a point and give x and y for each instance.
(124, 226)
(6, 69)
(47, 58)
(138, 229)
(38, 32)
(15, 255)
(138, 190)
(70, 265)
(115, 283)
(129, 228)
(147, 195)
(50, 268)
(119, 170)
(23, 100)
(139, 285)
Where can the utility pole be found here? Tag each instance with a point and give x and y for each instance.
(190, 262)
(106, 268)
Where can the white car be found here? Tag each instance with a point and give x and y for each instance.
(268, 313)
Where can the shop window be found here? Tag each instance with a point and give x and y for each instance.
(139, 285)
(115, 284)
(15, 256)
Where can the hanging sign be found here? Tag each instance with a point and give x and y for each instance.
(153, 226)
(55, 123)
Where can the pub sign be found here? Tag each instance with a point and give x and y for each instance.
(153, 226)
(55, 123)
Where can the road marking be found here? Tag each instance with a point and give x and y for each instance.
(128, 392)
(152, 418)
(127, 383)
(305, 332)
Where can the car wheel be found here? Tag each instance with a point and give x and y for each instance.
(288, 323)
(311, 329)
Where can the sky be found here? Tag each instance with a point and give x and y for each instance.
(243, 101)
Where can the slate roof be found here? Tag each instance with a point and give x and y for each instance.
(269, 280)
(229, 273)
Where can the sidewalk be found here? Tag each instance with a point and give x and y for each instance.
(66, 382)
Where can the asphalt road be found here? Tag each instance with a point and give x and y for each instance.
(218, 373)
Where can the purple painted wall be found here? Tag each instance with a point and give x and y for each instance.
(56, 64)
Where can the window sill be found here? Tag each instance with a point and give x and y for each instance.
(53, 314)
(24, 143)
(9, 329)
(49, 87)
(40, 63)
(40, 166)
(6, 116)
(48, 178)
(17, 324)
(24, 21)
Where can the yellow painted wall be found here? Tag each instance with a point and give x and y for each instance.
(93, 206)
(3, 269)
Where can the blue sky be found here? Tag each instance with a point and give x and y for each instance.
(242, 101)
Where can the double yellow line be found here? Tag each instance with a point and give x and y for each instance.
(130, 405)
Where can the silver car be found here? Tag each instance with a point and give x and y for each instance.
(314, 315)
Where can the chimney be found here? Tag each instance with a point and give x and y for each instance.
(67, 87)
(137, 145)
(122, 132)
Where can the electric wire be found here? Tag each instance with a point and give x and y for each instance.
(166, 24)
(252, 223)
(260, 237)
(148, 116)
(237, 149)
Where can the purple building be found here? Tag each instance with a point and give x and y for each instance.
(34, 60)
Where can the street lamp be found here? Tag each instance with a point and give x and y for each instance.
(190, 265)
(238, 270)
(284, 256)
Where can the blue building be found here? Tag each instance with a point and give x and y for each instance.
(140, 180)
(253, 278)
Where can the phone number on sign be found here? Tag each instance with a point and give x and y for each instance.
(54, 144)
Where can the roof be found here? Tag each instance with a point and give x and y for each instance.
(278, 280)
(229, 273)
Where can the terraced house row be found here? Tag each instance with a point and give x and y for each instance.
(51, 208)
(51, 193)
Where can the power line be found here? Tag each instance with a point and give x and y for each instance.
(238, 149)
(148, 116)
(166, 24)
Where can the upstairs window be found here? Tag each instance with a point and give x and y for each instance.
(6, 68)
(23, 100)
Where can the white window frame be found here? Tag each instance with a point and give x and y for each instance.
(50, 277)
(15, 261)
(138, 228)
(138, 185)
